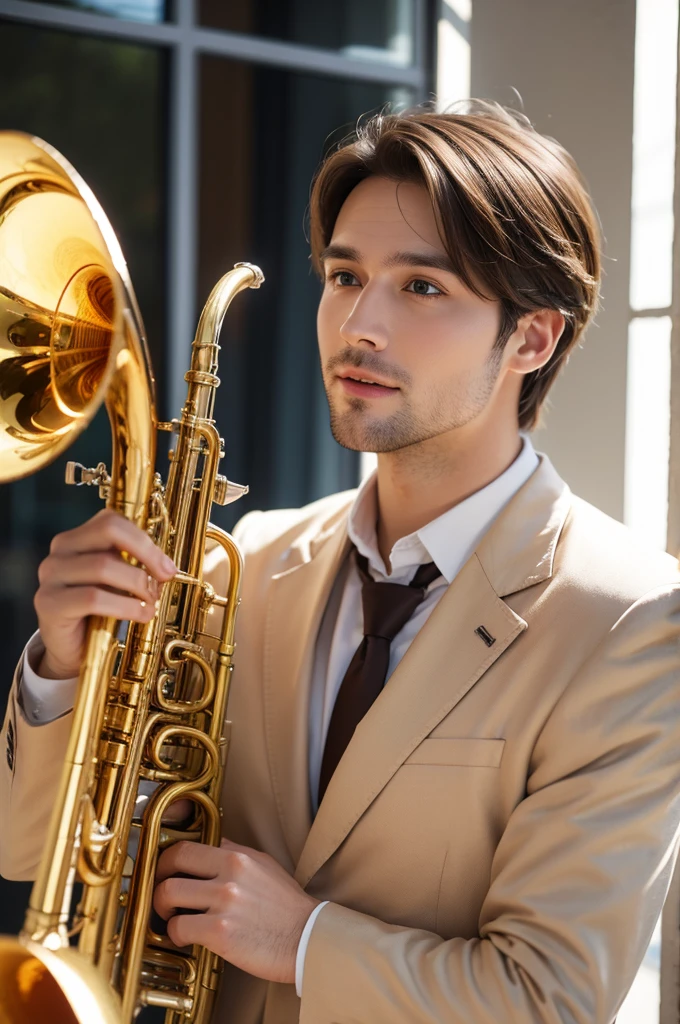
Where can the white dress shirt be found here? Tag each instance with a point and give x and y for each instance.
(448, 541)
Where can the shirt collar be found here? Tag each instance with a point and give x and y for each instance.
(448, 540)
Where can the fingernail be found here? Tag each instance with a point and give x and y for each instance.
(157, 605)
(168, 565)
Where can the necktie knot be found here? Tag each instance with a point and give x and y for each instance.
(388, 606)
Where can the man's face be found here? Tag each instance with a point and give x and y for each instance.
(387, 316)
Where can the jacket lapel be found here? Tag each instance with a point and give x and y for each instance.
(446, 658)
(297, 599)
(466, 633)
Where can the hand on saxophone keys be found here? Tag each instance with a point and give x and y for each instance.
(249, 909)
(85, 574)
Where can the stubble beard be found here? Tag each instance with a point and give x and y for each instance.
(448, 409)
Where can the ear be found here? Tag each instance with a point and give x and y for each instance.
(534, 340)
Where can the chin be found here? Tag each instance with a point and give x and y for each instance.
(359, 430)
(348, 431)
(374, 437)
(352, 440)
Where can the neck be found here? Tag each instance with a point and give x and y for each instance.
(420, 483)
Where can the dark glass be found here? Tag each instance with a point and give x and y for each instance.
(379, 31)
(129, 10)
(101, 104)
(263, 132)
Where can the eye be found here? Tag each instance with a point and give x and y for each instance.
(340, 277)
(420, 287)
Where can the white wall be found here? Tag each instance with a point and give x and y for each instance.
(572, 62)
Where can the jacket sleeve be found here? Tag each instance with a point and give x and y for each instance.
(31, 760)
(30, 765)
(579, 876)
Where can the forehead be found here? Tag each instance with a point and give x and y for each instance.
(381, 210)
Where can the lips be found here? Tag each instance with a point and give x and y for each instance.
(366, 388)
(368, 380)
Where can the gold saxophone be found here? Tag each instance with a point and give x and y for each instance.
(150, 706)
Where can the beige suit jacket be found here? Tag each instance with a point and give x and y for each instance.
(498, 840)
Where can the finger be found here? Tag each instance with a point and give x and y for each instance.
(110, 530)
(179, 811)
(100, 568)
(187, 929)
(175, 894)
(195, 859)
(78, 602)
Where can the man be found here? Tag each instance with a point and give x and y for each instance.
(453, 789)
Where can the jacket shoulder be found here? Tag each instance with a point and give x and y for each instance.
(263, 537)
(281, 527)
(609, 559)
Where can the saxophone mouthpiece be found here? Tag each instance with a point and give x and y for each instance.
(258, 276)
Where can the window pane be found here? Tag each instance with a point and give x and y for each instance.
(263, 132)
(648, 428)
(653, 153)
(101, 104)
(378, 31)
(131, 10)
(453, 51)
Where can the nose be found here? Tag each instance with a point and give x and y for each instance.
(366, 325)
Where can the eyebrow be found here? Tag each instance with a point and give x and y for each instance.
(402, 258)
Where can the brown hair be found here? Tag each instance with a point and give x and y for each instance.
(512, 207)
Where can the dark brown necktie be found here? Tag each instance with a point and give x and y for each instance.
(387, 609)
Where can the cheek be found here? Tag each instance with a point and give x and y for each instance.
(326, 328)
(445, 355)
(477, 325)
(459, 339)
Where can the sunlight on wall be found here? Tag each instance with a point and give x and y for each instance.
(648, 427)
(453, 51)
(653, 154)
(648, 390)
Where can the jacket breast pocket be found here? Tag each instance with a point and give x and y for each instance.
(463, 751)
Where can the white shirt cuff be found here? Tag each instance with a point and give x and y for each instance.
(43, 700)
(302, 947)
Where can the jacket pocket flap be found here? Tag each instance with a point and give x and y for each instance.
(483, 753)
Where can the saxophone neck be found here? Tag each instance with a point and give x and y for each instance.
(202, 376)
